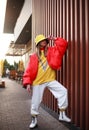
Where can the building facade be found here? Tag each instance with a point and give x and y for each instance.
(68, 19)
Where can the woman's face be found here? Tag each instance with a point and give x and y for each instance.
(43, 43)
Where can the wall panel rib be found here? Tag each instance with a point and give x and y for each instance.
(68, 19)
(77, 94)
(87, 64)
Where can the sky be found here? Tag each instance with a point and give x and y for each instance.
(5, 39)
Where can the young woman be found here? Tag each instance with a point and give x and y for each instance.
(41, 73)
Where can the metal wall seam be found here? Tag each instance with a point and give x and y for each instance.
(72, 67)
(58, 18)
(77, 94)
(68, 53)
(61, 35)
(82, 73)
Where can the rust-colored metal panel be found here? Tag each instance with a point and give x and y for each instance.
(87, 63)
(77, 93)
(82, 64)
(68, 57)
(68, 19)
(72, 57)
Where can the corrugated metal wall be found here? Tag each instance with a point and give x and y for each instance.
(68, 19)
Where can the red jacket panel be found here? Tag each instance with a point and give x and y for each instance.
(31, 70)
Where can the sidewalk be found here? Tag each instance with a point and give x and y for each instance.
(15, 110)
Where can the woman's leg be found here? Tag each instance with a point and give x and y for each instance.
(60, 92)
(37, 95)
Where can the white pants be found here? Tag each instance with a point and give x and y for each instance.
(58, 90)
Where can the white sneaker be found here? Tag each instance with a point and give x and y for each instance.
(64, 118)
(33, 123)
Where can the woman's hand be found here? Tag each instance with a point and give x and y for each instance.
(51, 38)
(28, 88)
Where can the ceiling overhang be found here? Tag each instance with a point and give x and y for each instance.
(20, 46)
(18, 49)
(25, 35)
(13, 9)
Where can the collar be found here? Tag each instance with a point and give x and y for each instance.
(42, 49)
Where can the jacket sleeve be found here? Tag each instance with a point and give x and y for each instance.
(31, 70)
(61, 45)
(26, 75)
(56, 52)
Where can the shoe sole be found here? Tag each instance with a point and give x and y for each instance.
(34, 126)
(64, 120)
